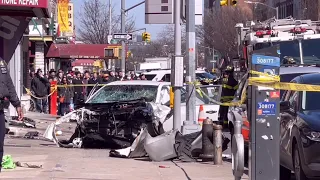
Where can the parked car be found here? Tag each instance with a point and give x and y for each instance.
(300, 131)
(240, 112)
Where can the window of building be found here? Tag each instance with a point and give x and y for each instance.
(164, 1)
(69, 8)
(70, 16)
(164, 8)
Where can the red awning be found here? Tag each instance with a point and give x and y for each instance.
(77, 51)
(28, 8)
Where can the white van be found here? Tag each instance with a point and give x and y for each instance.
(165, 75)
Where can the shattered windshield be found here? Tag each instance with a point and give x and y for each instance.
(114, 93)
(289, 50)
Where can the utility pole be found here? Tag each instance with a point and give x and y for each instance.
(177, 68)
(123, 30)
(190, 125)
(110, 61)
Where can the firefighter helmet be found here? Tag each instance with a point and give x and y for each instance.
(229, 69)
(288, 60)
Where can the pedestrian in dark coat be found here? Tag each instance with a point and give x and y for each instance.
(40, 86)
(92, 81)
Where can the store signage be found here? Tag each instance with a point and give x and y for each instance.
(27, 3)
(84, 57)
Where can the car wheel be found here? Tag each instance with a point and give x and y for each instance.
(298, 171)
(285, 174)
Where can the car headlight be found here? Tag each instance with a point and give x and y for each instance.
(312, 135)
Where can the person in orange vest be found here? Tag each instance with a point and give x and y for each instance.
(229, 87)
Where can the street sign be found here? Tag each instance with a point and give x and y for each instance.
(122, 36)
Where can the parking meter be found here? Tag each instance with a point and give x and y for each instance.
(263, 115)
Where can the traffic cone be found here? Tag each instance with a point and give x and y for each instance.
(201, 116)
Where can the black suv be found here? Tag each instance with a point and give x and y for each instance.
(300, 131)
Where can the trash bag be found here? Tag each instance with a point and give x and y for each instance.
(7, 162)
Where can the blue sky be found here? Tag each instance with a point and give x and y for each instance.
(138, 14)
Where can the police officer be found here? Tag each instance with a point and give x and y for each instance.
(229, 87)
(7, 94)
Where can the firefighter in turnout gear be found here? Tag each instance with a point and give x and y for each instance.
(229, 87)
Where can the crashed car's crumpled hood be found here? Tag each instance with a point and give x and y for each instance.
(159, 114)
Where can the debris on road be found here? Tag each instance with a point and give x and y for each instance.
(7, 162)
(26, 122)
(27, 165)
(31, 134)
(164, 166)
(132, 129)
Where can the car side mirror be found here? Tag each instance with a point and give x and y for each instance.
(284, 105)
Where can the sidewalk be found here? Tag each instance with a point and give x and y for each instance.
(80, 164)
(93, 164)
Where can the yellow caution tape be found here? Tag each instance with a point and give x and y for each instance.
(288, 86)
(263, 79)
(53, 89)
(79, 85)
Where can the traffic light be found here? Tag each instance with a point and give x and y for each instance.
(224, 2)
(147, 37)
(129, 54)
(143, 36)
(234, 2)
(117, 53)
(54, 29)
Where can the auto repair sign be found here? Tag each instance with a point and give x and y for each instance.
(27, 3)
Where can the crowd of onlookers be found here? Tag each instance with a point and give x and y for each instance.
(82, 82)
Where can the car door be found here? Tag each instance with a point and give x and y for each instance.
(211, 109)
(287, 118)
(240, 112)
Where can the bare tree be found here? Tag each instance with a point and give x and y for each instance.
(166, 37)
(219, 29)
(94, 22)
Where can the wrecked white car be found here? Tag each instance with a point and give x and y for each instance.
(113, 116)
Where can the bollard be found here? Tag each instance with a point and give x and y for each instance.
(207, 145)
(53, 98)
(217, 143)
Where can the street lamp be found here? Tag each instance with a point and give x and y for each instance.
(275, 8)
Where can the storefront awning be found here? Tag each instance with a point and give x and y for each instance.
(27, 8)
(77, 51)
